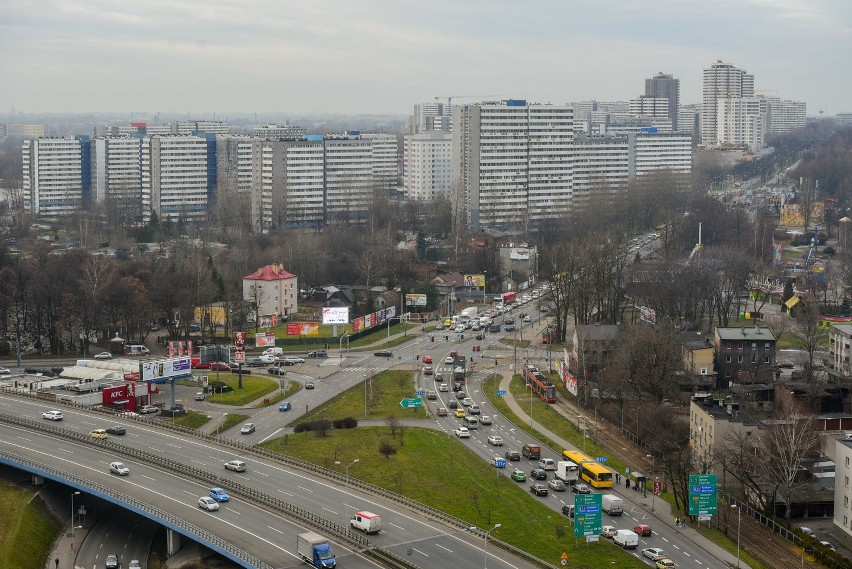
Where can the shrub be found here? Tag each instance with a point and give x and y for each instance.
(387, 449)
(345, 423)
(829, 251)
(302, 427)
(218, 387)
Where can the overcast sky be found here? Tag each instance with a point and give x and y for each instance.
(374, 56)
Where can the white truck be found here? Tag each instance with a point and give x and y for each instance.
(626, 538)
(314, 549)
(368, 522)
(612, 504)
(566, 471)
(470, 313)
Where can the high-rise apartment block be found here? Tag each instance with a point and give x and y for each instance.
(427, 165)
(646, 106)
(117, 173)
(55, 177)
(785, 115)
(741, 122)
(430, 116)
(175, 177)
(283, 132)
(722, 82)
(664, 86)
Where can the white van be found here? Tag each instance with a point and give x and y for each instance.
(547, 464)
(368, 522)
(137, 350)
(470, 422)
(274, 352)
(626, 538)
(612, 504)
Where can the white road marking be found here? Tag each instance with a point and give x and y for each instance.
(275, 529)
(420, 552)
(286, 493)
(305, 489)
(445, 548)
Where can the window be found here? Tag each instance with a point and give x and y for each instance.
(727, 359)
(741, 345)
(739, 359)
(847, 462)
(847, 481)
(704, 372)
(727, 345)
(766, 359)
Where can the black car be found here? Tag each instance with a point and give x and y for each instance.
(116, 430)
(538, 474)
(384, 354)
(309, 385)
(460, 394)
(276, 371)
(453, 404)
(318, 354)
(512, 455)
(539, 489)
(509, 327)
(568, 510)
(480, 336)
(457, 386)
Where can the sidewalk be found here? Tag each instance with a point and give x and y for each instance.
(65, 548)
(663, 514)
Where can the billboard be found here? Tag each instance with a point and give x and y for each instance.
(474, 281)
(264, 340)
(415, 300)
(335, 315)
(269, 321)
(303, 329)
(164, 369)
(519, 254)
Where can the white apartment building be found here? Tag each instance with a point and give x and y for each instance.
(283, 132)
(423, 118)
(427, 165)
(175, 178)
(842, 488)
(55, 175)
(511, 161)
(722, 81)
(644, 106)
(213, 127)
(272, 290)
(650, 152)
(117, 172)
(599, 166)
(687, 118)
(839, 350)
(384, 150)
(786, 115)
(348, 179)
(741, 122)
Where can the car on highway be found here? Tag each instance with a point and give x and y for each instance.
(495, 440)
(99, 434)
(460, 413)
(474, 410)
(449, 360)
(134, 564)
(443, 387)
(538, 474)
(318, 354)
(116, 430)
(247, 429)
(466, 401)
(547, 464)
(5, 371)
(111, 561)
(148, 409)
(219, 495)
(261, 360)
(384, 354)
(512, 455)
(53, 415)
(235, 465)
(460, 394)
(581, 489)
(442, 411)
(642, 530)
(207, 503)
(309, 385)
(431, 395)
(556, 485)
(427, 360)
(118, 468)
(654, 553)
(518, 476)
(608, 531)
(428, 370)
(292, 360)
(462, 433)
(539, 489)
(484, 419)
(665, 564)
(285, 406)
(103, 356)
(453, 404)
(568, 510)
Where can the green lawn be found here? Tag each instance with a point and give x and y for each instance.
(384, 392)
(254, 387)
(292, 387)
(231, 420)
(192, 420)
(27, 530)
(728, 544)
(324, 337)
(512, 342)
(427, 468)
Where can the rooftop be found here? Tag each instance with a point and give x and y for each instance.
(270, 273)
(746, 334)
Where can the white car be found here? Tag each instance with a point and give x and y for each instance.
(5, 371)
(462, 433)
(103, 356)
(236, 465)
(495, 440)
(247, 429)
(484, 420)
(119, 468)
(654, 553)
(449, 360)
(292, 360)
(53, 415)
(467, 401)
(527, 318)
(208, 503)
(147, 409)
(443, 387)
(608, 531)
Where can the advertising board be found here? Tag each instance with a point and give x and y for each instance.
(302, 328)
(477, 281)
(164, 369)
(519, 254)
(415, 300)
(265, 340)
(335, 315)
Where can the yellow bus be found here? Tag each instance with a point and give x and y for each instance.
(591, 471)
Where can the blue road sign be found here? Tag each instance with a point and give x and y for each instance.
(601, 459)
(501, 392)
(421, 392)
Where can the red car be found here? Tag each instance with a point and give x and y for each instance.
(219, 366)
(427, 360)
(643, 530)
(454, 354)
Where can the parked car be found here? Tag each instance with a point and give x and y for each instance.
(518, 476)
(318, 354)
(207, 503)
(512, 455)
(509, 327)
(99, 434)
(116, 430)
(148, 409)
(219, 366)
(5, 371)
(538, 474)
(643, 530)
(384, 354)
(556, 485)
(219, 495)
(118, 468)
(581, 489)
(261, 360)
(103, 356)
(495, 440)
(484, 420)
(285, 406)
(247, 429)
(654, 553)
(785, 365)
(539, 489)
(53, 415)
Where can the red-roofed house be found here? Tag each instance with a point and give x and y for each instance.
(274, 290)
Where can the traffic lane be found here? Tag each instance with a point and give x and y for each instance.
(236, 521)
(118, 531)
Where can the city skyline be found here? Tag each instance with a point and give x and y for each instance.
(375, 58)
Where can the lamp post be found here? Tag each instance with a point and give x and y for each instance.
(739, 519)
(73, 525)
(347, 485)
(653, 481)
(487, 535)
(365, 395)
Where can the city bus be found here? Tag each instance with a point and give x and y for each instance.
(592, 472)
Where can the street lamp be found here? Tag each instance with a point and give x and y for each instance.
(739, 519)
(73, 525)
(365, 395)
(653, 481)
(347, 485)
(487, 535)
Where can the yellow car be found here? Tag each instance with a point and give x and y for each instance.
(99, 434)
(460, 413)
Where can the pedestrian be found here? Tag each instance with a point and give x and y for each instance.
(627, 483)
(677, 522)
(306, 407)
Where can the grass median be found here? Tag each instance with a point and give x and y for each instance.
(27, 529)
(254, 387)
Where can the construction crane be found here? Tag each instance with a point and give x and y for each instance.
(450, 98)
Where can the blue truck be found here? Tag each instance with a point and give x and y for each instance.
(314, 549)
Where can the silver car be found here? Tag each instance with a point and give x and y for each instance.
(208, 503)
(119, 468)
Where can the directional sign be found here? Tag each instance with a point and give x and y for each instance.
(587, 514)
(411, 403)
(601, 459)
(421, 392)
(702, 494)
(501, 392)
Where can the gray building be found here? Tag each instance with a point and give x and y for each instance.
(744, 355)
(664, 86)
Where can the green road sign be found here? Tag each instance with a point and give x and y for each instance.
(587, 514)
(411, 403)
(702, 494)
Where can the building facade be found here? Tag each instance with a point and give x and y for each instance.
(842, 488)
(741, 122)
(839, 350)
(722, 81)
(117, 173)
(55, 175)
(175, 177)
(272, 290)
(714, 424)
(427, 165)
(665, 86)
(744, 355)
(786, 115)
